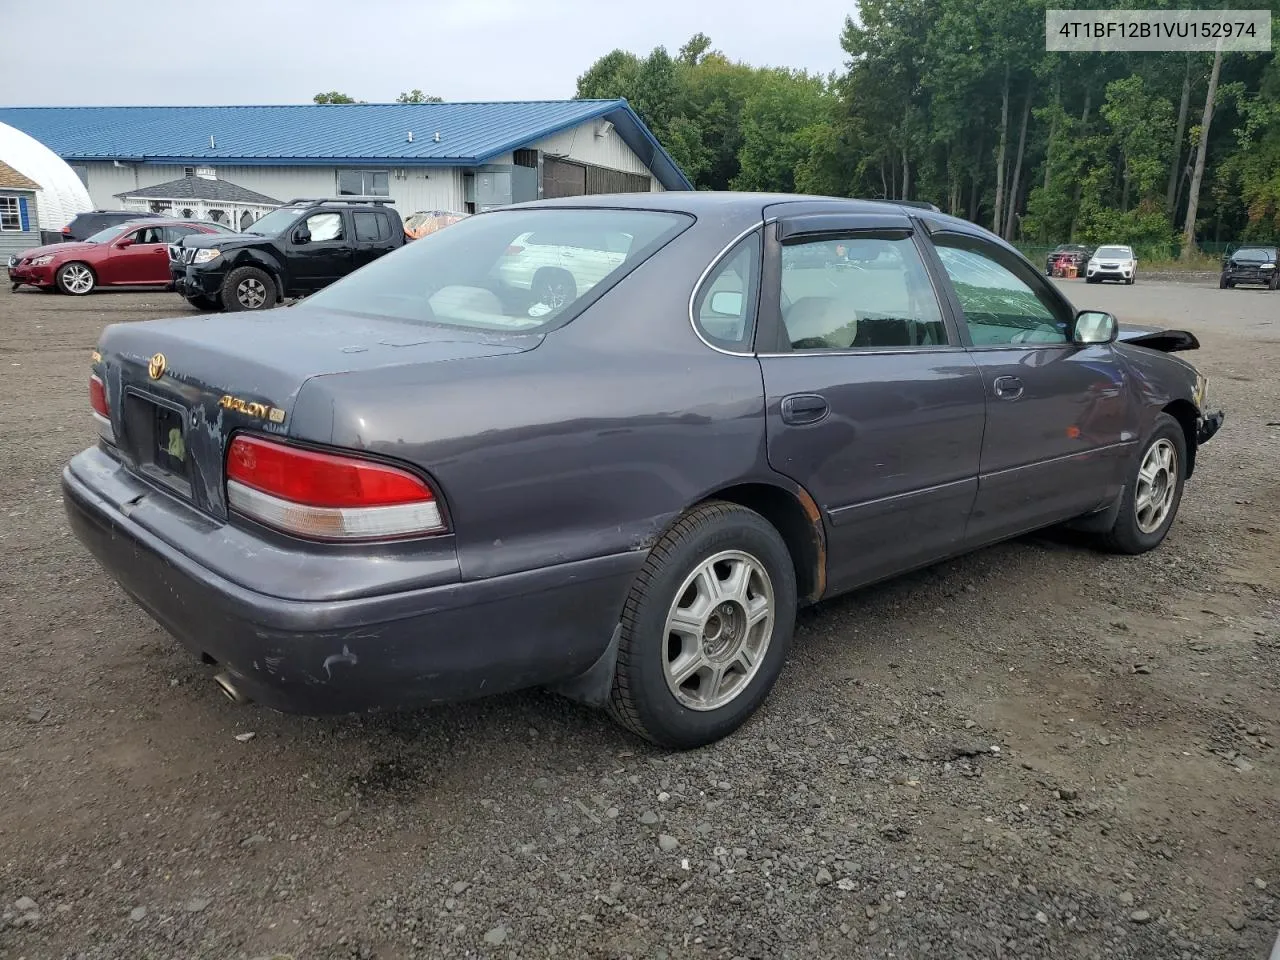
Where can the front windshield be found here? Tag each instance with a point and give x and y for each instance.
(110, 233)
(275, 222)
(514, 270)
(1113, 253)
(1254, 254)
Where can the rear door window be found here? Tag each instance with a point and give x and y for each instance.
(370, 226)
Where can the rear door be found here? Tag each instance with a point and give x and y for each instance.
(873, 403)
(372, 236)
(1060, 423)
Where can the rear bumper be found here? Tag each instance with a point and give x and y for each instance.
(457, 641)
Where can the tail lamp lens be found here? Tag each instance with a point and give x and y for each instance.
(327, 496)
(101, 408)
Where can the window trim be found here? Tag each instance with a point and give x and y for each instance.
(694, 296)
(17, 215)
(703, 286)
(824, 228)
(1037, 279)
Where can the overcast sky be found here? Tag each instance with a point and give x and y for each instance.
(285, 51)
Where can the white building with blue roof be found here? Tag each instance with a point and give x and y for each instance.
(464, 157)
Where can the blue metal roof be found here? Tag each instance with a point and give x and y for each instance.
(330, 134)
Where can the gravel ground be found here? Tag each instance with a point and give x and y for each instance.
(1035, 751)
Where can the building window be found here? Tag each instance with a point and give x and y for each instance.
(363, 183)
(525, 157)
(10, 217)
(188, 171)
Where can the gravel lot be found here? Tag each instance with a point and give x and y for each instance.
(1035, 751)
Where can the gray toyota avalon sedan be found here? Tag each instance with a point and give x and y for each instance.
(608, 445)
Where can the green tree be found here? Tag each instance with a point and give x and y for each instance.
(417, 96)
(780, 122)
(333, 96)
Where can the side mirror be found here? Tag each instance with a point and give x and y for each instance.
(726, 303)
(302, 235)
(124, 242)
(1094, 326)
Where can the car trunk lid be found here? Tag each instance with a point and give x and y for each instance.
(178, 389)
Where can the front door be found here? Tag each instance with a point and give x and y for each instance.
(1059, 425)
(143, 260)
(873, 404)
(321, 258)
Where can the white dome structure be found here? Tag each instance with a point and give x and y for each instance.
(62, 195)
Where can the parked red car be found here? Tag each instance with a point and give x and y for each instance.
(133, 253)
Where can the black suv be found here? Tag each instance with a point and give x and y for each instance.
(1257, 264)
(294, 250)
(87, 224)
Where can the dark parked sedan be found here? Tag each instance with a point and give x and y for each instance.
(423, 484)
(1252, 265)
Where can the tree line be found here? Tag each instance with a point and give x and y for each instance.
(958, 103)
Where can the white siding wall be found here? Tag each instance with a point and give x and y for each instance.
(434, 188)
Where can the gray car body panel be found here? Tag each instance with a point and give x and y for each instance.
(561, 457)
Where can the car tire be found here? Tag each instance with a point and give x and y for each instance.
(1222, 283)
(76, 278)
(249, 288)
(553, 287)
(715, 541)
(1275, 282)
(1141, 526)
(207, 304)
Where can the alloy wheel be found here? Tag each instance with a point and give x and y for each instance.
(1157, 484)
(718, 630)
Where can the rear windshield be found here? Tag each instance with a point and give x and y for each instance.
(515, 270)
(1113, 253)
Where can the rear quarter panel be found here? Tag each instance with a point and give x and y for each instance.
(586, 446)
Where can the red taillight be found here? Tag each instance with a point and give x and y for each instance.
(514, 249)
(101, 408)
(67, 229)
(325, 495)
(98, 396)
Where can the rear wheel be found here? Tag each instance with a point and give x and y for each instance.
(706, 628)
(76, 278)
(1154, 492)
(248, 288)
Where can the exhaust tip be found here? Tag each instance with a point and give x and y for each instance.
(228, 686)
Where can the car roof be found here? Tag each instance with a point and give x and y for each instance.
(734, 205)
